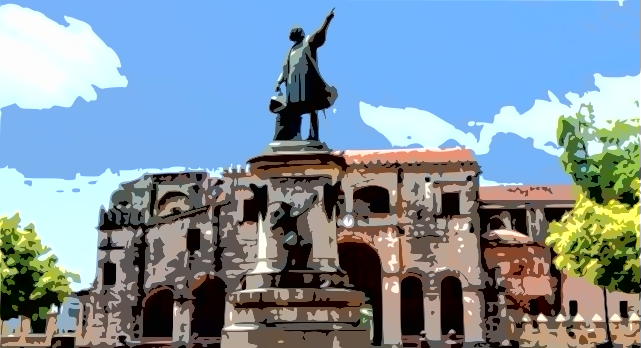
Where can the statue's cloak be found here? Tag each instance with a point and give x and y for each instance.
(306, 90)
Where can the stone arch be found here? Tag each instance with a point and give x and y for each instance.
(371, 199)
(506, 219)
(173, 202)
(496, 223)
(347, 236)
(198, 280)
(363, 266)
(415, 272)
(210, 298)
(436, 277)
(157, 289)
(157, 313)
(412, 307)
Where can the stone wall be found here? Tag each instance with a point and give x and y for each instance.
(589, 299)
(147, 228)
(523, 274)
(239, 228)
(417, 237)
(143, 236)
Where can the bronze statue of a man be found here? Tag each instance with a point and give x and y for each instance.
(306, 91)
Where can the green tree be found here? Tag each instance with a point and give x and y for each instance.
(30, 279)
(599, 239)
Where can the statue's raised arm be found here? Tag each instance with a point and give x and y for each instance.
(317, 39)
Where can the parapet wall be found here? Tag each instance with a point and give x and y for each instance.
(528, 331)
(560, 331)
(22, 335)
(235, 172)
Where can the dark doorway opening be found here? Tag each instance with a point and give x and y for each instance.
(452, 306)
(157, 315)
(450, 204)
(208, 318)
(412, 315)
(371, 200)
(363, 268)
(109, 273)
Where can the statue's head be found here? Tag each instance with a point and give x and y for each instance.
(297, 34)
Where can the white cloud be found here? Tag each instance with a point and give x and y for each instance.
(402, 127)
(66, 220)
(45, 64)
(484, 182)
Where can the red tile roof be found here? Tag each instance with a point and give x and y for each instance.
(407, 156)
(558, 193)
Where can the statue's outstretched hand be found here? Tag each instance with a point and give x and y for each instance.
(331, 13)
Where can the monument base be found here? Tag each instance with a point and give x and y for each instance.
(286, 147)
(294, 318)
(297, 279)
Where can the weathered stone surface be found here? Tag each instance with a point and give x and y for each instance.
(392, 223)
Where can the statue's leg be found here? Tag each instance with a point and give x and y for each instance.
(288, 127)
(313, 126)
(296, 126)
(278, 131)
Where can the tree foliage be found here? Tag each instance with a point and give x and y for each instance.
(607, 174)
(599, 239)
(30, 279)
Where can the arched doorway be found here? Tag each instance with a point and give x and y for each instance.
(412, 315)
(452, 306)
(363, 267)
(208, 318)
(157, 315)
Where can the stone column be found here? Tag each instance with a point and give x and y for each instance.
(79, 320)
(324, 247)
(25, 328)
(473, 315)
(51, 326)
(391, 310)
(537, 225)
(81, 329)
(388, 248)
(504, 324)
(183, 309)
(432, 310)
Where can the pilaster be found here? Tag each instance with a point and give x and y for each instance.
(391, 310)
(183, 309)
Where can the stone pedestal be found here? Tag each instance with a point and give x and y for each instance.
(297, 295)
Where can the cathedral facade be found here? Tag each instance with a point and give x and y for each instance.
(431, 249)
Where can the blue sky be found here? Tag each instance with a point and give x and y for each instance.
(93, 94)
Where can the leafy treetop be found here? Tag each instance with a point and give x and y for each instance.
(607, 174)
(599, 239)
(31, 282)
